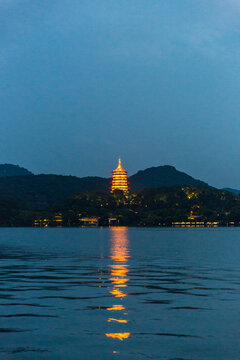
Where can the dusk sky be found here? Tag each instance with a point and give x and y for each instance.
(155, 81)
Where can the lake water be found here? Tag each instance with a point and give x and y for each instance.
(120, 293)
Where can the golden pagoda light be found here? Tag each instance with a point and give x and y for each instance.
(119, 178)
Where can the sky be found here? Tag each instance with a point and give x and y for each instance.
(154, 81)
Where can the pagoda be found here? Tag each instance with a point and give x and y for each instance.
(119, 178)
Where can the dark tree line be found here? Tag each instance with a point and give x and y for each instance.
(149, 207)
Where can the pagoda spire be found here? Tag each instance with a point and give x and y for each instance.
(119, 163)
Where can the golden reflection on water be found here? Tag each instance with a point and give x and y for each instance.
(117, 320)
(119, 279)
(116, 308)
(119, 336)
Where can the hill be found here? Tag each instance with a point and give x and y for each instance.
(13, 170)
(166, 175)
(153, 207)
(149, 207)
(42, 191)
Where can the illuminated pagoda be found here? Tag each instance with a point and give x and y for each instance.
(119, 178)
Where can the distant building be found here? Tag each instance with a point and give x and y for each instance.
(89, 221)
(41, 222)
(119, 178)
(196, 224)
(113, 221)
(58, 220)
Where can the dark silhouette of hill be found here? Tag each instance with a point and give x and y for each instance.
(148, 207)
(154, 207)
(13, 170)
(166, 175)
(42, 191)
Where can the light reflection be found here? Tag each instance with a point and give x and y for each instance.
(118, 320)
(119, 278)
(116, 308)
(118, 293)
(119, 336)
